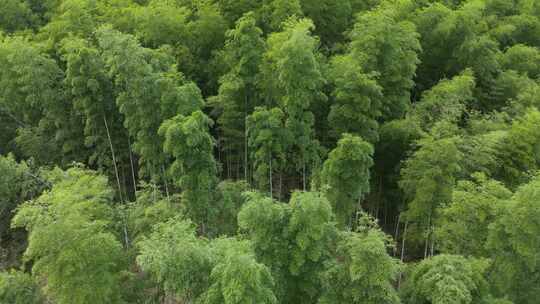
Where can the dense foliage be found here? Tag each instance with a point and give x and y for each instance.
(273, 151)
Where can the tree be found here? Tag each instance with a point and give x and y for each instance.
(188, 141)
(18, 183)
(237, 95)
(361, 270)
(93, 98)
(448, 100)
(177, 260)
(358, 97)
(17, 287)
(237, 277)
(274, 13)
(292, 240)
(147, 93)
(523, 59)
(331, 18)
(447, 279)
(518, 159)
(513, 242)
(268, 140)
(463, 225)
(194, 269)
(387, 47)
(30, 82)
(69, 243)
(15, 15)
(444, 32)
(71, 18)
(229, 201)
(346, 173)
(161, 22)
(427, 180)
(292, 60)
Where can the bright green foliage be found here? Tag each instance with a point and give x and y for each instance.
(387, 47)
(188, 141)
(519, 149)
(177, 260)
(483, 151)
(309, 224)
(194, 269)
(446, 279)
(268, 141)
(292, 240)
(150, 208)
(17, 287)
(428, 177)
(463, 225)
(514, 244)
(523, 59)
(69, 243)
(361, 271)
(263, 220)
(357, 97)
(346, 174)
(527, 97)
(237, 277)
(447, 100)
(293, 60)
(508, 86)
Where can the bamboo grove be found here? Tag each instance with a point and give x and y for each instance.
(272, 151)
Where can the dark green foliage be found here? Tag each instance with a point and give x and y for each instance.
(15, 15)
(358, 99)
(387, 47)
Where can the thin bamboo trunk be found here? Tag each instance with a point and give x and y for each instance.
(403, 250)
(113, 158)
(304, 175)
(427, 237)
(397, 232)
(245, 140)
(132, 168)
(271, 184)
(165, 182)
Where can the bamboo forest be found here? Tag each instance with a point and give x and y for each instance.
(269, 151)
